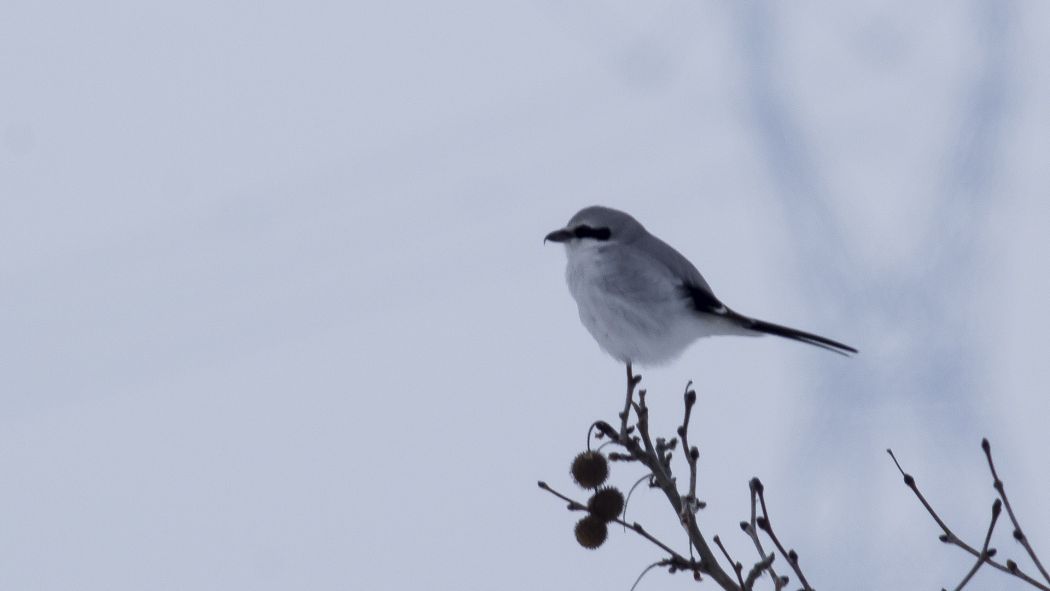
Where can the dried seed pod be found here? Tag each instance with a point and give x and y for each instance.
(590, 469)
(591, 532)
(606, 504)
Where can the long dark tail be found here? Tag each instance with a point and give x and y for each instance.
(793, 334)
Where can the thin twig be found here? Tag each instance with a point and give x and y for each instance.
(736, 565)
(664, 480)
(630, 493)
(636, 527)
(756, 571)
(767, 526)
(751, 529)
(949, 537)
(692, 454)
(986, 552)
(632, 381)
(646, 571)
(1018, 534)
(573, 505)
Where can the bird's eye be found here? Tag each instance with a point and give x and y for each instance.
(589, 232)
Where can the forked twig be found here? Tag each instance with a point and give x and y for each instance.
(986, 552)
(1018, 534)
(738, 567)
(756, 571)
(751, 529)
(949, 537)
(763, 522)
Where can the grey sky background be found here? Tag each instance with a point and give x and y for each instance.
(276, 313)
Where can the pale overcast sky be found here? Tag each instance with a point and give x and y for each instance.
(276, 314)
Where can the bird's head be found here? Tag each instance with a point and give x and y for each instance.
(595, 226)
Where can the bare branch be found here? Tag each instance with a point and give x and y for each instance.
(736, 565)
(764, 523)
(1018, 534)
(756, 571)
(751, 529)
(692, 454)
(632, 381)
(949, 537)
(638, 445)
(677, 558)
(666, 483)
(986, 553)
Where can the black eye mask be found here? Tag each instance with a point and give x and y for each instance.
(589, 232)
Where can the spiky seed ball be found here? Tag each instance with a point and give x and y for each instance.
(606, 504)
(591, 532)
(590, 469)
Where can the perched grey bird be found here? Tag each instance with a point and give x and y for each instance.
(643, 301)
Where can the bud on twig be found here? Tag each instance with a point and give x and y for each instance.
(756, 485)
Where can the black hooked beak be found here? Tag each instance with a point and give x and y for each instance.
(563, 235)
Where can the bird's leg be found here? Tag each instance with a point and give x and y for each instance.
(632, 381)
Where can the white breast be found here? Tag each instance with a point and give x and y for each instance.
(631, 306)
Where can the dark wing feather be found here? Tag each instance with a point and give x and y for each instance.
(705, 302)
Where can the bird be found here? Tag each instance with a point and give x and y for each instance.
(642, 301)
